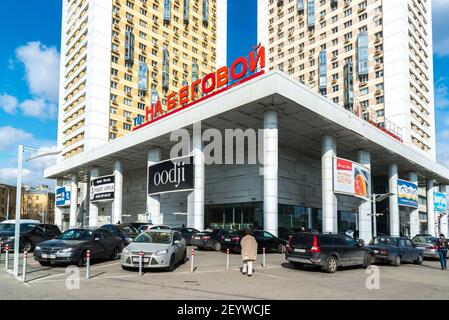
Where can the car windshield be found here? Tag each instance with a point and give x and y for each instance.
(126, 229)
(429, 240)
(24, 227)
(154, 237)
(384, 241)
(76, 235)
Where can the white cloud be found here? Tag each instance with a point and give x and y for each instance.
(38, 108)
(42, 69)
(8, 103)
(440, 12)
(441, 93)
(11, 137)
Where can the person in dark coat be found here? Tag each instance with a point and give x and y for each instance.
(442, 246)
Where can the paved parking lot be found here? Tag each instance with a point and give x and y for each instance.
(211, 280)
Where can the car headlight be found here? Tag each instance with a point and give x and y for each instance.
(126, 252)
(37, 248)
(162, 252)
(66, 250)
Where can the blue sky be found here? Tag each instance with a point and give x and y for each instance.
(29, 65)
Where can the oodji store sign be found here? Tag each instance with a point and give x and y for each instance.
(171, 176)
(212, 84)
(102, 189)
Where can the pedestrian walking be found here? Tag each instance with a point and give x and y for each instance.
(249, 253)
(442, 246)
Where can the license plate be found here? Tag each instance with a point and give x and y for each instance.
(197, 238)
(144, 260)
(300, 250)
(376, 251)
(48, 256)
(228, 240)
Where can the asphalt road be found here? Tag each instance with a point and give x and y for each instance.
(211, 280)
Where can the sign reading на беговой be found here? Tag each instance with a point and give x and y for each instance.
(102, 189)
(171, 176)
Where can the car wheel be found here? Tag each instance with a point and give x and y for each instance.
(171, 266)
(82, 260)
(397, 261)
(419, 260)
(297, 265)
(369, 259)
(281, 248)
(330, 266)
(184, 256)
(115, 254)
(217, 246)
(45, 263)
(27, 246)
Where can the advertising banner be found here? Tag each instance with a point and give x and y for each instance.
(62, 197)
(102, 189)
(407, 194)
(171, 176)
(440, 202)
(351, 178)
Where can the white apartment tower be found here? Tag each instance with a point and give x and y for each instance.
(119, 55)
(373, 57)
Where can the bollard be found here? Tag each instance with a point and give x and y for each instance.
(7, 257)
(24, 271)
(88, 264)
(192, 258)
(140, 262)
(264, 260)
(227, 259)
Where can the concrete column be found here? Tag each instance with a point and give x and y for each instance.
(199, 180)
(93, 209)
(73, 201)
(365, 218)
(58, 210)
(431, 229)
(330, 205)
(153, 202)
(414, 214)
(118, 193)
(394, 206)
(271, 167)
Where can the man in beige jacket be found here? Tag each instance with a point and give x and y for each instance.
(249, 253)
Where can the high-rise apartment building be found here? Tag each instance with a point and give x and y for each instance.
(120, 55)
(372, 57)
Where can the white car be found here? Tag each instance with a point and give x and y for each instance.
(149, 227)
(159, 249)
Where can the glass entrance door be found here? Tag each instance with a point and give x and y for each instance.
(234, 216)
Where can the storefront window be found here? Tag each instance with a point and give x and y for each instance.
(234, 216)
(347, 221)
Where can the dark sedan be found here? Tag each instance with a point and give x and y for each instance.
(187, 234)
(30, 235)
(264, 239)
(124, 231)
(395, 250)
(71, 247)
(209, 239)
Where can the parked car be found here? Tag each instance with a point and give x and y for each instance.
(327, 251)
(148, 227)
(428, 244)
(285, 233)
(209, 239)
(30, 235)
(137, 225)
(160, 248)
(21, 221)
(124, 231)
(187, 234)
(71, 247)
(264, 239)
(395, 250)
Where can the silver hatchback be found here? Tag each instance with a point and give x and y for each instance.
(159, 249)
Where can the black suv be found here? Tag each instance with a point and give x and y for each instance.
(30, 235)
(328, 251)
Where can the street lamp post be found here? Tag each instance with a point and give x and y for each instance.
(21, 150)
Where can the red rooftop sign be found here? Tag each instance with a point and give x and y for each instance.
(211, 84)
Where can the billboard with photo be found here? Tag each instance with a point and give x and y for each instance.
(62, 197)
(351, 178)
(102, 189)
(407, 194)
(440, 202)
